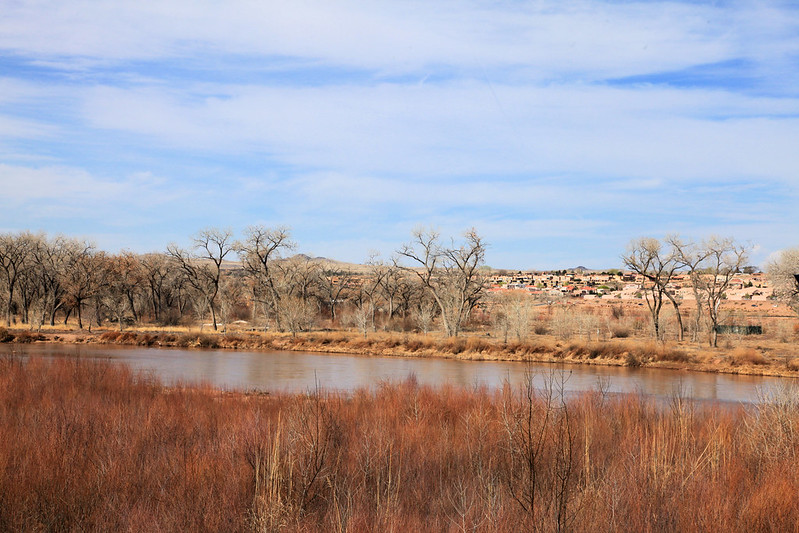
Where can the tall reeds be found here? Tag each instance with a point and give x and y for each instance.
(92, 446)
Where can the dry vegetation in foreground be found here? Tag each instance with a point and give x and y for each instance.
(91, 446)
(739, 356)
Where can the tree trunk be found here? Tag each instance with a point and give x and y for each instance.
(676, 306)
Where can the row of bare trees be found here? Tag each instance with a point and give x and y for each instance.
(257, 277)
(710, 265)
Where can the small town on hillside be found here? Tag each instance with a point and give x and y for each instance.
(616, 284)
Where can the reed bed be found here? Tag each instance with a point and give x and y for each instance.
(93, 446)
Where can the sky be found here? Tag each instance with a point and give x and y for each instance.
(560, 130)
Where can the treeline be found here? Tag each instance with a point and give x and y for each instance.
(92, 447)
(44, 280)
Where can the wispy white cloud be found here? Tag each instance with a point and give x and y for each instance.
(462, 129)
(593, 38)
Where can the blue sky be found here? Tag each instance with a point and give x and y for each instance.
(560, 130)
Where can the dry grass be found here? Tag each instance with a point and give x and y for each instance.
(747, 356)
(91, 446)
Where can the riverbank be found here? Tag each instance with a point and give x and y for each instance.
(745, 358)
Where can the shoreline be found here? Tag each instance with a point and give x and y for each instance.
(614, 352)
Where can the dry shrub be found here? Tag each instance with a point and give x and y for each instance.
(606, 350)
(360, 343)
(578, 351)
(109, 336)
(520, 349)
(478, 345)
(632, 359)
(207, 341)
(5, 336)
(673, 354)
(620, 332)
(747, 356)
(234, 341)
(414, 345)
(793, 365)
(454, 345)
(392, 342)
(127, 337)
(184, 341)
(540, 329)
(28, 336)
(146, 339)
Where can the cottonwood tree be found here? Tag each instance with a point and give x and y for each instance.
(513, 311)
(83, 276)
(231, 297)
(646, 256)
(392, 285)
(164, 284)
(450, 274)
(334, 288)
(297, 285)
(203, 266)
(49, 259)
(712, 265)
(14, 253)
(783, 273)
(259, 251)
(691, 257)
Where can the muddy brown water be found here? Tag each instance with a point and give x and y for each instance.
(304, 371)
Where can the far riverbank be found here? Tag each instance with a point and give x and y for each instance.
(742, 359)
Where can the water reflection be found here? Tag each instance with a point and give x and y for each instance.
(300, 371)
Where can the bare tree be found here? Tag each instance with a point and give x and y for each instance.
(231, 296)
(783, 273)
(203, 268)
(424, 314)
(49, 257)
(258, 251)
(691, 257)
(334, 286)
(646, 257)
(712, 266)
(451, 274)
(115, 296)
(165, 286)
(514, 313)
(392, 285)
(83, 276)
(14, 252)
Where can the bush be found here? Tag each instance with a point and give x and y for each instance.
(207, 341)
(633, 360)
(747, 356)
(5, 336)
(109, 336)
(28, 336)
(620, 332)
(674, 355)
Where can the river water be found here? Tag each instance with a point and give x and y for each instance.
(303, 371)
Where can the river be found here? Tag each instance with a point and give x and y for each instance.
(303, 371)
